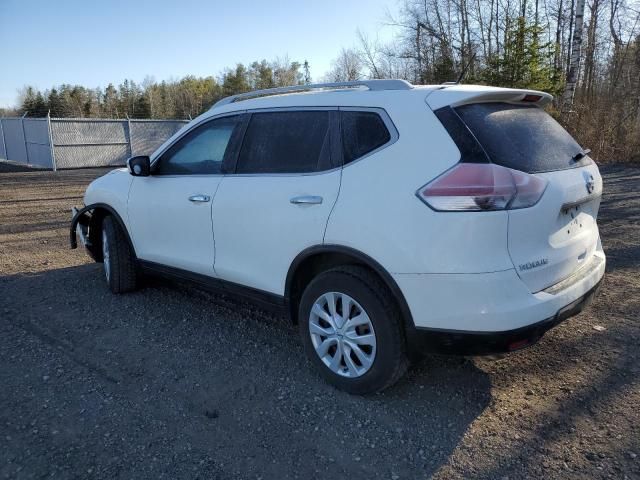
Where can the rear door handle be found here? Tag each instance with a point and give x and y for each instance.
(199, 198)
(306, 200)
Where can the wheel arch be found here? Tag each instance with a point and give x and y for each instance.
(317, 259)
(97, 212)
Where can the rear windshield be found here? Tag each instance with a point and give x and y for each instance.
(522, 137)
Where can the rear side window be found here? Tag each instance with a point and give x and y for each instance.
(522, 137)
(470, 149)
(362, 132)
(285, 142)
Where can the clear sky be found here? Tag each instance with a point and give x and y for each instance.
(93, 42)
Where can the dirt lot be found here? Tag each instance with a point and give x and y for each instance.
(169, 382)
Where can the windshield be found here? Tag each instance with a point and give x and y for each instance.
(522, 137)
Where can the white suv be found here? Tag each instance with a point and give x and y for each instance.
(387, 219)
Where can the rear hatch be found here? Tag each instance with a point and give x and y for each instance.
(552, 239)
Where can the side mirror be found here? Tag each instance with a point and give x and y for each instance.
(139, 166)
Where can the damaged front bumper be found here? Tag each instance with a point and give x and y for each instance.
(80, 228)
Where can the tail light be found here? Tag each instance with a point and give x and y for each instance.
(482, 187)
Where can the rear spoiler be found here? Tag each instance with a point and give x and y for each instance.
(456, 95)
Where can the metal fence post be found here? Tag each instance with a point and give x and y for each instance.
(24, 137)
(129, 135)
(83, 142)
(53, 154)
(4, 141)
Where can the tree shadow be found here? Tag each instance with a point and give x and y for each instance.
(11, 167)
(588, 405)
(627, 256)
(30, 227)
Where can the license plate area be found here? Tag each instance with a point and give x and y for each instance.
(574, 221)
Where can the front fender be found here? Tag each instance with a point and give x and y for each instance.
(87, 222)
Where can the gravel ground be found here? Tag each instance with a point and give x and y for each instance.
(172, 382)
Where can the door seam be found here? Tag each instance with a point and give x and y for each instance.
(326, 226)
(213, 230)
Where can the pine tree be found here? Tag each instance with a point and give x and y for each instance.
(110, 101)
(236, 81)
(28, 105)
(142, 107)
(39, 106)
(55, 104)
(307, 72)
(523, 62)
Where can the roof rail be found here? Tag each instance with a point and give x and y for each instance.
(370, 84)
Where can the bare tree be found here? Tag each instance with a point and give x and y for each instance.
(370, 55)
(574, 63)
(346, 67)
(590, 51)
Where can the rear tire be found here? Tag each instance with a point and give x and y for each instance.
(363, 359)
(118, 258)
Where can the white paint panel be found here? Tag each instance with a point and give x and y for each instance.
(490, 302)
(259, 231)
(167, 228)
(111, 189)
(558, 241)
(379, 214)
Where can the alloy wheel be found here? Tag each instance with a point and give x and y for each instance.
(105, 255)
(342, 334)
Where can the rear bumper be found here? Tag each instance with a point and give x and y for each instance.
(491, 312)
(486, 343)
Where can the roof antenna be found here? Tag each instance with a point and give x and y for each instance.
(464, 71)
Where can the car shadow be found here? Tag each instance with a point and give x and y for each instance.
(202, 380)
(613, 373)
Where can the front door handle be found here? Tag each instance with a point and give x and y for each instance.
(199, 198)
(306, 200)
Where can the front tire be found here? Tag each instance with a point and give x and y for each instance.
(118, 258)
(351, 330)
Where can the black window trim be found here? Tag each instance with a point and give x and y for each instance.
(334, 132)
(231, 160)
(229, 156)
(386, 119)
(471, 137)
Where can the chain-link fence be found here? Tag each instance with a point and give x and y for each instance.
(77, 142)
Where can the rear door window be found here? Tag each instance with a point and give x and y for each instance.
(286, 142)
(522, 137)
(362, 133)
